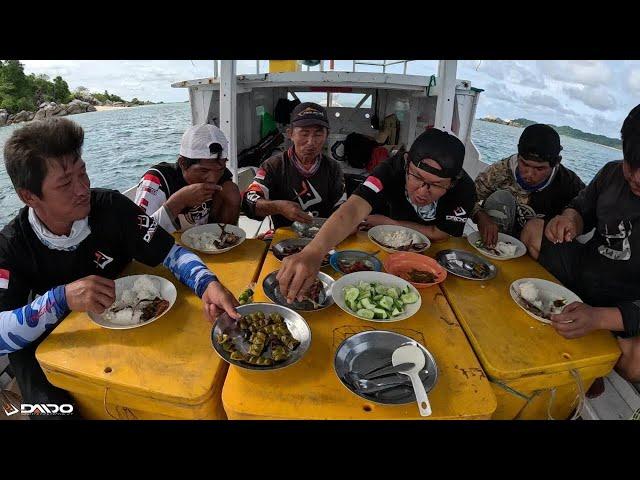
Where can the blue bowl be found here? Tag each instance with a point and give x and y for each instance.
(354, 255)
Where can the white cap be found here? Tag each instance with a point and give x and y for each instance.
(197, 140)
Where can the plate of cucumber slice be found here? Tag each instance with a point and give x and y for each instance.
(376, 296)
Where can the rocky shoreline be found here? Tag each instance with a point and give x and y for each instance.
(46, 110)
(53, 109)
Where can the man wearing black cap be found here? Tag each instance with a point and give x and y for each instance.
(425, 189)
(301, 182)
(517, 193)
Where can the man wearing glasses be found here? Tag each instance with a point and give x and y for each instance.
(517, 194)
(425, 189)
(197, 189)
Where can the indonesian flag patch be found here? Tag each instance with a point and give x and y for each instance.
(4, 278)
(373, 183)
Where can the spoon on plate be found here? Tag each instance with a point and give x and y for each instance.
(412, 354)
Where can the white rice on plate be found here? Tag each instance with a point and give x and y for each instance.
(143, 288)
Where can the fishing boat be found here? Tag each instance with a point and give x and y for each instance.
(490, 371)
(234, 102)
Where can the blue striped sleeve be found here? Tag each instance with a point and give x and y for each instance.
(189, 269)
(20, 327)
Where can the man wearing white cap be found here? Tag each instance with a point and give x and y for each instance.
(197, 189)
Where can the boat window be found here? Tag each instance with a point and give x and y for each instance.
(350, 100)
(317, 97)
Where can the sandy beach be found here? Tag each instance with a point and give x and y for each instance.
(102, 108)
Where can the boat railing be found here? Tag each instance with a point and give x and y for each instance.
(384, 64)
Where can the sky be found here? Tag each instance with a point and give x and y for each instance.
(591, 95)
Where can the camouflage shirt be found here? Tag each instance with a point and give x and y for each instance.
(544, 203)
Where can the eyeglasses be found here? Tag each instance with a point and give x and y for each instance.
(429, 185)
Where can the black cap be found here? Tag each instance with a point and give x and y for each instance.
(542, 141)
(309, 113)
(446, 149)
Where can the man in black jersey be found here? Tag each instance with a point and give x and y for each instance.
(425, 189)
(605, 271)
(64, 249)
(301, 182)
(197, 189)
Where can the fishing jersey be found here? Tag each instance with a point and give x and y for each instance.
(386, 190)
(158, 184)
(320, 191)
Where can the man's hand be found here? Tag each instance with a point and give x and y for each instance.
(297, 273)
(488, 229)
(293, 212)
(561, 229)
(90, 294)
(576, 320)
(375, 220)
(192, 196)
(217, 299)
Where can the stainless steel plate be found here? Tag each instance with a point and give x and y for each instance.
(308, 230)
(365, 351)
(279, 249)
(460, 263)
(295, 322)
(271, 290)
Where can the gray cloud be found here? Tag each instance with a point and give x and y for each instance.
(583, 72)
(600, 123)
(634, 80)
(500, 91)
(537, 98)
(597, 98)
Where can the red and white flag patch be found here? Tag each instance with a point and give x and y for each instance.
(373, 183)
(260, 174)
(4, 278)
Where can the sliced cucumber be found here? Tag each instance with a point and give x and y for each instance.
(409, 297)
(380, 313)
(366, 313)
(366, 303)
(380, 289)
(351, 294)
(393, 293)
(396, 312)
(352, 304)
(386, 303)
(377, 298)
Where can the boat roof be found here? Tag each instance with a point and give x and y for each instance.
(329, 80)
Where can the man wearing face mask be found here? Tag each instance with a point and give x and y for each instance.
(517, 193)
(425, 189)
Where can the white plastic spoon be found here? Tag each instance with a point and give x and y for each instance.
(412, 354)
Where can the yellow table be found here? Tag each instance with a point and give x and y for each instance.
(167, 369)
(310, 388)
(518, 352)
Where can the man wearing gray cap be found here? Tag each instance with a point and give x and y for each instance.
(301, 182)
(197, 189)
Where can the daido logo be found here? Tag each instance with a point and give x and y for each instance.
(39, 409)
(150, 224)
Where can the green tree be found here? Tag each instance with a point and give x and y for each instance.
(61, 91)
(16, 91)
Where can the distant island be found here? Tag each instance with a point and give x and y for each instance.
(33, 97)
(564, 130)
